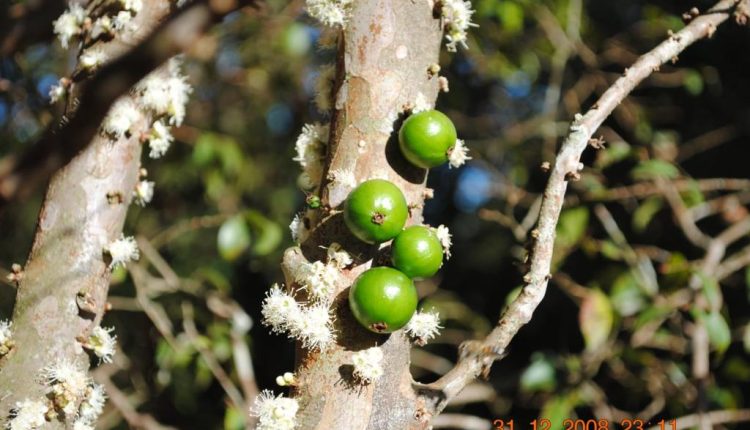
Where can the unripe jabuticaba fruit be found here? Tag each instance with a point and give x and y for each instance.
(426, 138)
(376, 211)
(417, 252)
(383, 299)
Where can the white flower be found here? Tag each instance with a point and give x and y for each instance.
(318, 278)
(298, 229)
(166, 92)
(93, 405)
(159, 139)
(274, 412)
(122, 251)
(144, 192)
(102, 343)
(67, 385)
(329, 12)
(69, 24)
(424, 326)
(367, 364)
(121, 118)
(56, 92)
(343, 177)
(421, 104)
(132, 5)
(458, 154)
(444, 235)
(80, 424)
(123, 21)
(313, 327)
(457, 18)
(28, 415)
(324, 87)
(338, 256)
(279, 309)
(92, 58)
(6, 337)
(310, 147)
(101, 26)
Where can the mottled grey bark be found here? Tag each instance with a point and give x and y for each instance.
(384, 57)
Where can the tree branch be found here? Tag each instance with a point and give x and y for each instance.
(477, 356)
(22, 174)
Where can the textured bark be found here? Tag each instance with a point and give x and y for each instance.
(63, 292)
(384, 56)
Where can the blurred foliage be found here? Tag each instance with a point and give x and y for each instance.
(613, 335)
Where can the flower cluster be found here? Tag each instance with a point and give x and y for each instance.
(6, 337)
(121, 118)
(68, 385)
(331, 13)
(143, 193)
(28, 415)
(70, 24)
(311, 150)
(102, 343)
(274, 412)
(122, 251)
(76, 23)
(324, 87)
(310, 324)
(458, 155)
(457, 19)
(424, 326)
(298, 229)
(444, 235)
(91, 407)
(367, 365)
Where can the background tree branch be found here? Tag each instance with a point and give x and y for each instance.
(477, 356)
(21, 174)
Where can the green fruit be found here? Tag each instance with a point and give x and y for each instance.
(375, 211)
(383, 299)
(417, 252)
(426, 138)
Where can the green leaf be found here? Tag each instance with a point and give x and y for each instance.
(539, 376)
(268, 234)
(719, 333)
(513, 294)
(510, 15)
(234, 419)
(596, 319)
(570, 229)
(645, 213)
(693, 82)
(233, 238)
(692, 195)
(556, 410)
(711, 291)
(613, 153)
(652, 169)
(626, 296)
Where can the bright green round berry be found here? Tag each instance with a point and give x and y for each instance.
(417, 252)
(426, 138)
(383, 299)
(376, 211)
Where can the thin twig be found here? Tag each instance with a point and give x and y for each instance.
(476, 357)
(188, 324)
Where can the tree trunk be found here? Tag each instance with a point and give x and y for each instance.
(384, 56)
